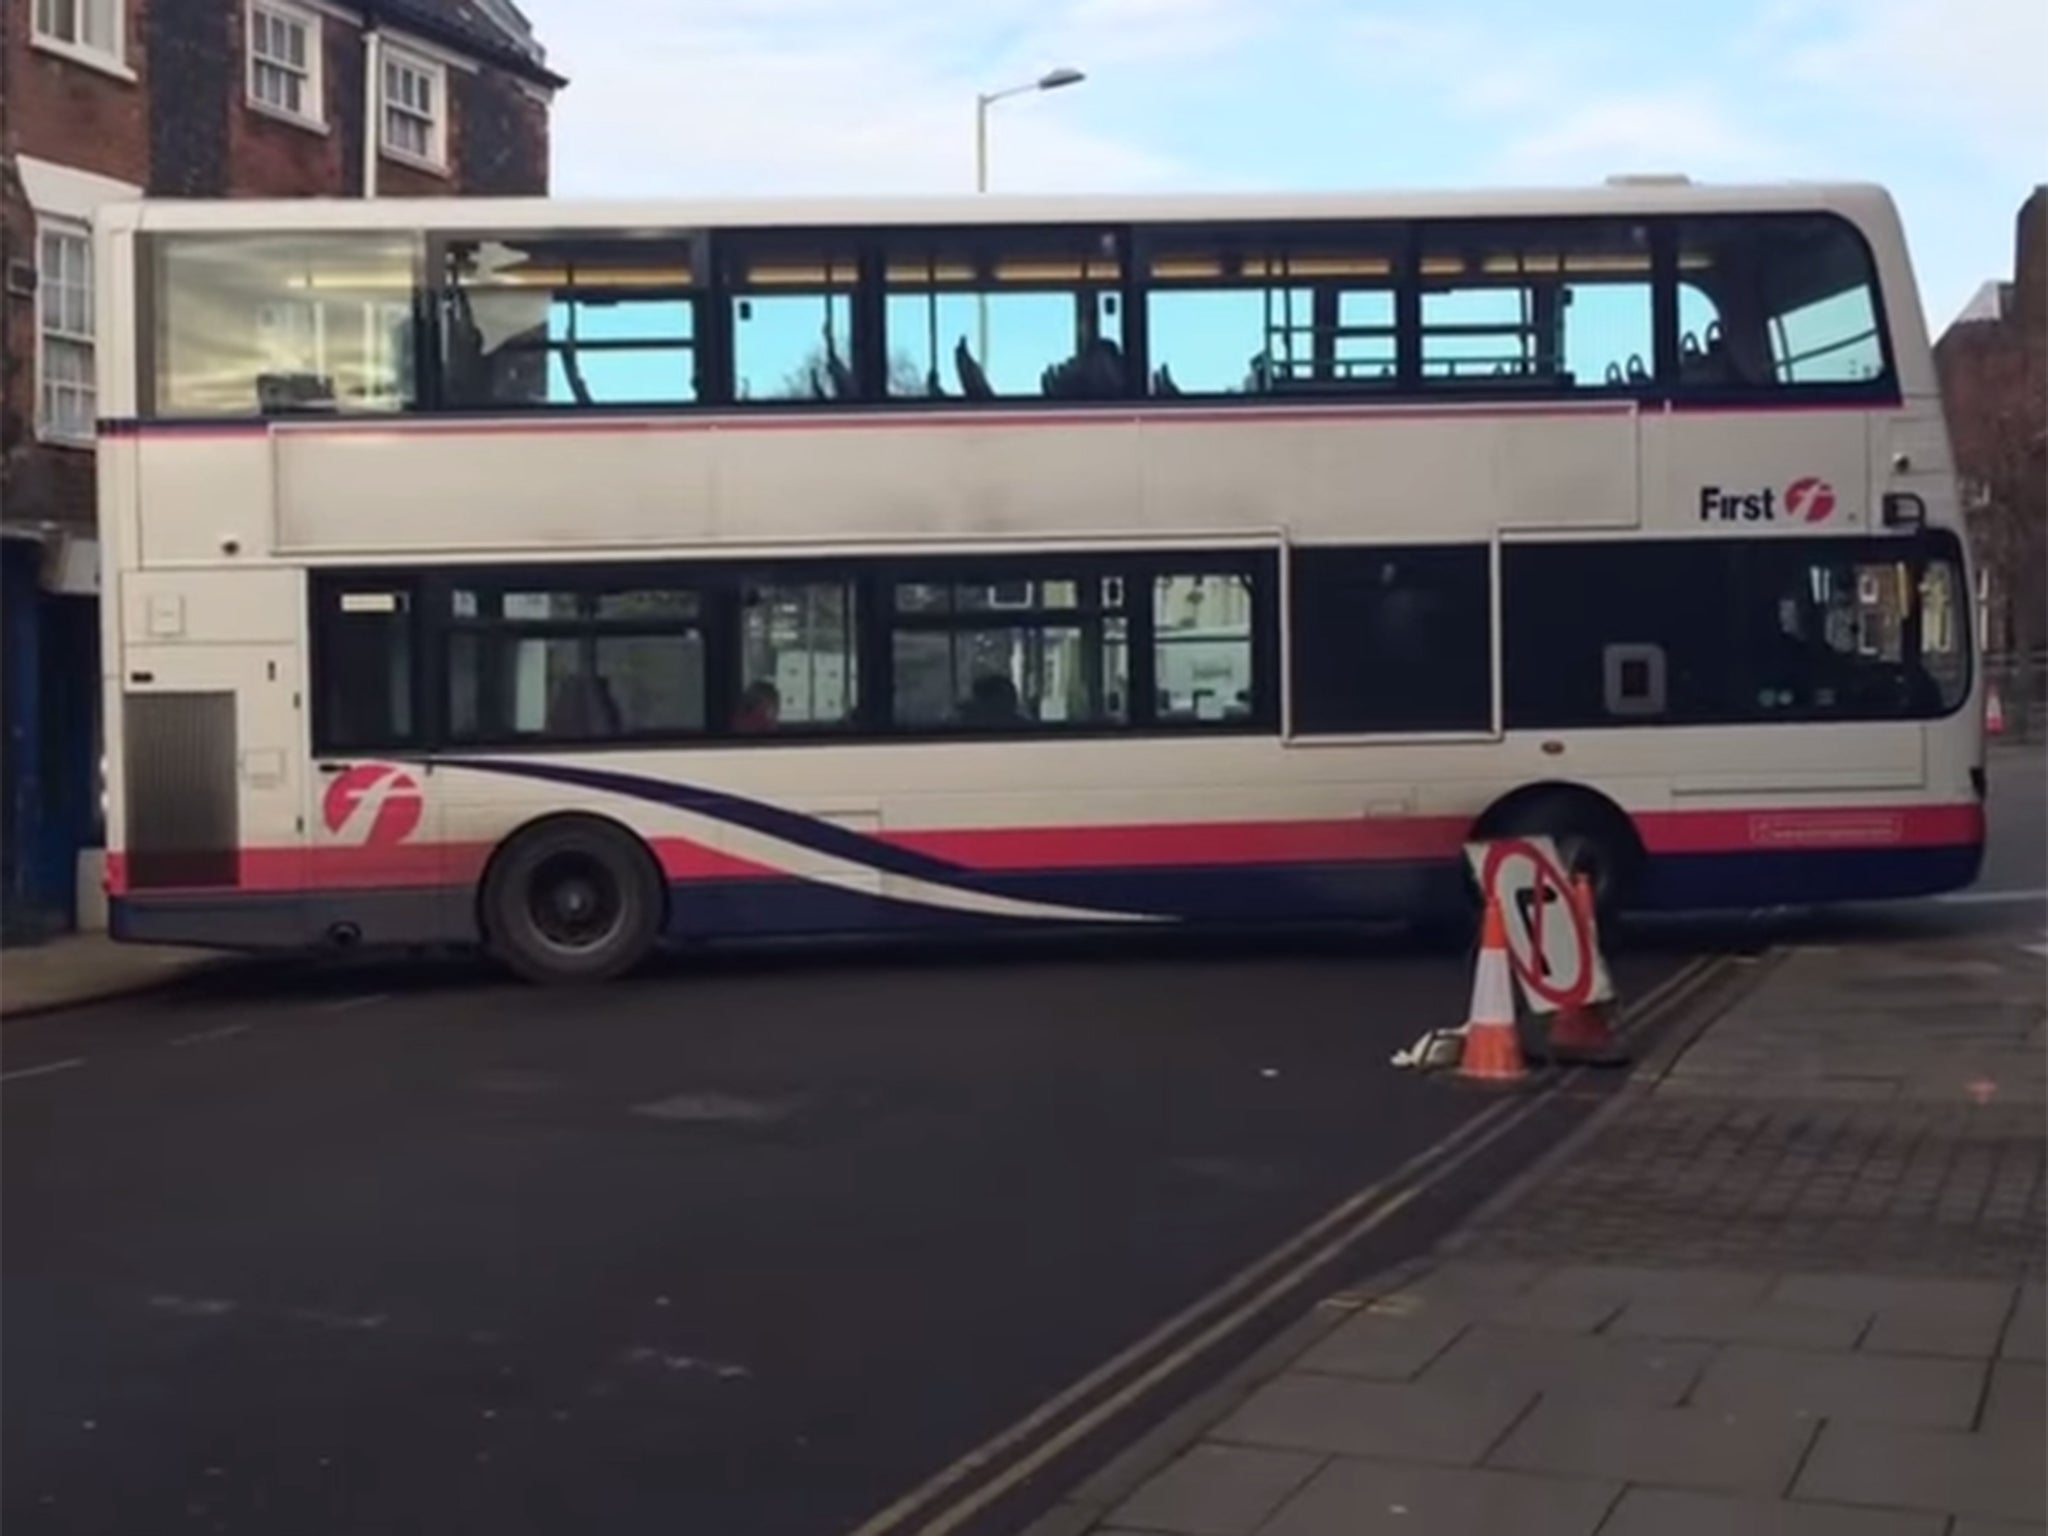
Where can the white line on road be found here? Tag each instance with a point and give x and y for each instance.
(44, 1070)
(224, 1032)
(355, 1002)
(1992, 898)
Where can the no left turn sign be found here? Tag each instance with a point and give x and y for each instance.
(1552, 947)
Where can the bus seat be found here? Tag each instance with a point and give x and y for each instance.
(974, 382)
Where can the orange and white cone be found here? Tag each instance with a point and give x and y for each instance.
(1493, 1049)
(1579, 1032)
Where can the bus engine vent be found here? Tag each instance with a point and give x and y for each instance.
(183, 829)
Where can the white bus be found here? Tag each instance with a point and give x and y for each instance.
(575, 577)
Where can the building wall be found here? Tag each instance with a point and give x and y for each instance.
(173, 119)
(1994, 380)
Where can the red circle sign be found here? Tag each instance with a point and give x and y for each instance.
(1530, 966)
(1811, 498)
(373, 803)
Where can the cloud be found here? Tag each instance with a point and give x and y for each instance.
(1689, 132)
(1968, 70)
(805, 96)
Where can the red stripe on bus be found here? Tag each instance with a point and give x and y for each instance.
(1908, 826)
(1016, 849)
(1363, 839)
(424, 865)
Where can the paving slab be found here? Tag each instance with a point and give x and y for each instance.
(1681, 1512)
(1736, 1322)
(1392, 1345)
(1991, 1472)
(1576, 1367)
(2026, 1333)
(1216, 1490)
(1879, 1294)
(1350, 1496)
(2018, 1395)
(1679, 1447)
(1971, 1526)
(1880, 1389)
(1342, 1415)
(1636, 1283)
(1564, 1311)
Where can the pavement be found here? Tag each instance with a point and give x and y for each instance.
(75, 968)
(1787, 1283)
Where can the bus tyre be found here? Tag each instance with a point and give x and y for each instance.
(576, 900)
(1592, 837)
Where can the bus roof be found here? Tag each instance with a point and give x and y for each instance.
(1864, 202)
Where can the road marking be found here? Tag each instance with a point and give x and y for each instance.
(1991, 898)
(44, 1070)
(355, 1002)
(1352, 1219)
(224, 1032)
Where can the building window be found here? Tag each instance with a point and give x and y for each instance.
(415, 109)
(64, 288)
(284, 60)
(89, 26)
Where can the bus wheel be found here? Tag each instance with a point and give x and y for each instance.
(572, 900)
(1593, 838)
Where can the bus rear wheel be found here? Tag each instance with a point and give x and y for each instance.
(575, 900)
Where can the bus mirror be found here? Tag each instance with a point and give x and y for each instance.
(1903, 509)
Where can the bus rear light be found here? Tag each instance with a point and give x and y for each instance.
(1902, 509)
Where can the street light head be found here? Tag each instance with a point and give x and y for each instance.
(1052, 80)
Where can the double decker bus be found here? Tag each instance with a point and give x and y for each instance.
(571, 578)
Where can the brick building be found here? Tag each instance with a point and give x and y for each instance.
(1993, 364)
(104, 100)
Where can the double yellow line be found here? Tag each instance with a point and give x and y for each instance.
(953, 1496)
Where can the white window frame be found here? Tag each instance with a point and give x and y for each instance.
(436, 75)
(313, 73)
(109, 57)
(47, 428)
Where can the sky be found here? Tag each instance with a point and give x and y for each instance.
(1940, 100)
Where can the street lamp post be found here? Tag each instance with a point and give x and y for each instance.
(1051, 80)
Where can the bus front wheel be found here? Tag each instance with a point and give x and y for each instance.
(573, 900)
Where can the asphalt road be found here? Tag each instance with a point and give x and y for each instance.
(754, 1245)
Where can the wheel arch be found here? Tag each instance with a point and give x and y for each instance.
(481, 908)
(1561, 805)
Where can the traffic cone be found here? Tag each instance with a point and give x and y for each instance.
(1493, 1050)
(1579, 1032)
(1994, 712)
